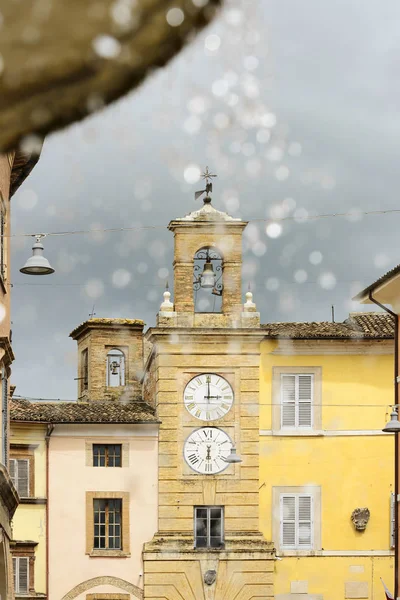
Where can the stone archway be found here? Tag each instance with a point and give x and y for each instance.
(104, 580)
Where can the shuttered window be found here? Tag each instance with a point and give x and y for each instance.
(296, 521)
(392, 520)
(19, 473)
(296, 400)
(2, 242)
(21, 572)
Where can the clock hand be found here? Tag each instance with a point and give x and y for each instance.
(208, 455)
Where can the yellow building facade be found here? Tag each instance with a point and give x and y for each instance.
(325, 392)
(28, 460)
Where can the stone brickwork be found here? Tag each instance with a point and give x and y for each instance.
(99, 336)
(187, 344)
(149, 384)
(104, 580)
(226, 237)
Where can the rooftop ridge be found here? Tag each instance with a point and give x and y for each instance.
(98, 411)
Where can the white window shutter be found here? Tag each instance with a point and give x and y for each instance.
(288, 521)
(297, 521)
(12, 471)
(305, 398)
(305, 521)
(23, 568)
(23, 477)
(392, 520)
(288, 405)
(14, 560)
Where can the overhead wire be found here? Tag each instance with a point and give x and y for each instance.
(180, 403)
(352, 214)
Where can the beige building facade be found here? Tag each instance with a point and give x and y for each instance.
(89, 491)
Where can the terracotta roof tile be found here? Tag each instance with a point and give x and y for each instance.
(82, 412)
(368, 325)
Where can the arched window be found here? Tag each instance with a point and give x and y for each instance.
(115, 375)
(207, 280)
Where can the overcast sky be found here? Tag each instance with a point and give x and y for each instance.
(294, 104)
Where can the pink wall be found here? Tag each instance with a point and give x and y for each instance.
(70, 479)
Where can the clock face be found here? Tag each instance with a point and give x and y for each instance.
(208, 397)
(205, 450)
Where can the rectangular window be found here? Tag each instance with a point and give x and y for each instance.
(84, 369)
(19, 473)
(392, 520)
(107, 455)
(21, 572)
(107, 521)
(2, 241)
(5, 419)
(209, 527)
(296, 521)
(296, 401)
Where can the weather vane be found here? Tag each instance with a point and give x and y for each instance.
(208, 177)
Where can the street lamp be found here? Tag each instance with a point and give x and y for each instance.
(37, 264)
(393, 426)
(233, 457)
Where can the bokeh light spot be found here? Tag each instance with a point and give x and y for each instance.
(273, 230)
(121, 278)
(175, 17)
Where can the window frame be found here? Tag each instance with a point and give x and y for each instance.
(108, 511)
(297, 522)
(107, 447)
(222, 535)
(3, 242)
(314, 491)
(316, 401)
(125, 526)
(84, 370)
(24, 452)
(16, 574)
(297, 401)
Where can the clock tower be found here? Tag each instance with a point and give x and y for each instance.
(203, 373)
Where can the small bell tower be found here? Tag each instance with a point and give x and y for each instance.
(207, 268)
(110, 359)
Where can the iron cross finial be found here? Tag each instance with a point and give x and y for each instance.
(207, 175)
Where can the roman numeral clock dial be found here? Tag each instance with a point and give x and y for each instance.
(208, 397)
(206, 449)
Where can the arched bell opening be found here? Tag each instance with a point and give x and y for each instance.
(115, 375)
(208, 280)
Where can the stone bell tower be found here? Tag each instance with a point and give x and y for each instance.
(110, 358)
(203, 373)
(208, 240)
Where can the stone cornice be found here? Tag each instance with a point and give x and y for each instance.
(113, 324)
(287, 347)
(185, 334)
(8, 351)
(8, 493)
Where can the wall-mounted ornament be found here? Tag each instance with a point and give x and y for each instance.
(360, 518)
(210, 577)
